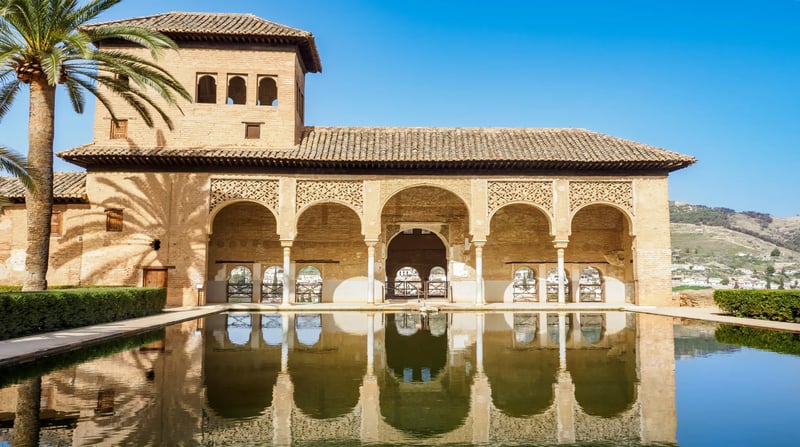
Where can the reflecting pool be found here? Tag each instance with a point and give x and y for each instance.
(350, 378)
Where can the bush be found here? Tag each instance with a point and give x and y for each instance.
(25, 313)
(765, 339)
(775, 305)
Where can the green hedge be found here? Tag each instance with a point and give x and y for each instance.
(765, 339)
(775, 305)
(25, 313)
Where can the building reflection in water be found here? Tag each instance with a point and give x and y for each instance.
(390, 378)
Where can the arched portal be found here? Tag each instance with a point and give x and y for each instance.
(424, 390)
(521, 372)
(519, 238)
(327, 367)
(329, 239)
(425, 227)
(601, 239)
(243, 234)
(412, 256)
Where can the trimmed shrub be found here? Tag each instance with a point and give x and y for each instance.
(764, 339)
(775, 305)
(26, 313)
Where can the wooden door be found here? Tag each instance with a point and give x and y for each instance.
(155, 278)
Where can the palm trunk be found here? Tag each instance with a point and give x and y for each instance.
(26, 420)
(39, 203)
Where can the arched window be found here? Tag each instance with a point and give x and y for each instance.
(240, 284)
(437, 282)
(206, 90)
(272, 285)
(308, 328)
(552, 285)
(407, 283)
(591, 285)
(237, 90)
(239, 326)
(592, 327)
(272, 329)
(525, 284)
(308, 288)
(267, 92)
(525, 328)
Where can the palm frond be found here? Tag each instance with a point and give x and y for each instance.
(9, 86)
(17, 166)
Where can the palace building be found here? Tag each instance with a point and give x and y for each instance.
(243, 201)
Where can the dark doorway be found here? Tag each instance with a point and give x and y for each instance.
(420, 251)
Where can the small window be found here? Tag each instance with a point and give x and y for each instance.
(114, 220)
(267, 91)
(119, 129)
(301, 108)
(237, 90)
(252, 131)
(206, 89)
(56, 223)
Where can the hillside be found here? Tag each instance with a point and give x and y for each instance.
(722, 243)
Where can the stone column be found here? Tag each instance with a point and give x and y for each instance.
(371, 271)
(564, 389)
(479, 298)
(370, 392)
(287, 273)
(655, 347)
(481, 391)
(560, 246)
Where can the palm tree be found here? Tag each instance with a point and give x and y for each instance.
(45, 43)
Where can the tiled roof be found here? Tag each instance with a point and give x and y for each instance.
(68, 187)
(378, 149)
(197, 26)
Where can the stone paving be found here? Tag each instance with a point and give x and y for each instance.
(27, 348)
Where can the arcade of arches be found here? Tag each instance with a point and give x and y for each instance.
(284, 378)
(461, 240)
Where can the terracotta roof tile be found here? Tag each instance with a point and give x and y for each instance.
(387, 148)
(197, 26)
(68, 187)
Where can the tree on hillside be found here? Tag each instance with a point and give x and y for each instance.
(775, 253)
(45, 43)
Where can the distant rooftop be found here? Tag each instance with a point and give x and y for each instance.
(248, 28)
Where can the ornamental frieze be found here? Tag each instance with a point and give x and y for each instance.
(617, 193)
(226, 190)
(350, 192)
(502, 193)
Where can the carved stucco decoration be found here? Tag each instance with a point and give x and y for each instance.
(226, 190)
(462, 188)
(348, 191)
(617, 193)
(505, 192)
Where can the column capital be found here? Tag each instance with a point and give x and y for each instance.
(286, 243)
(560, 243)
(371, 242)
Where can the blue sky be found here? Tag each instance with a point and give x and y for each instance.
(716, 80)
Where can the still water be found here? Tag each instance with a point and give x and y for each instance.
(354, 378)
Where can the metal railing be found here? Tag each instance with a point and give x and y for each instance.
(525, 291)
(417, 289)
(272, 292)
(308, 292)
(240, 290)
